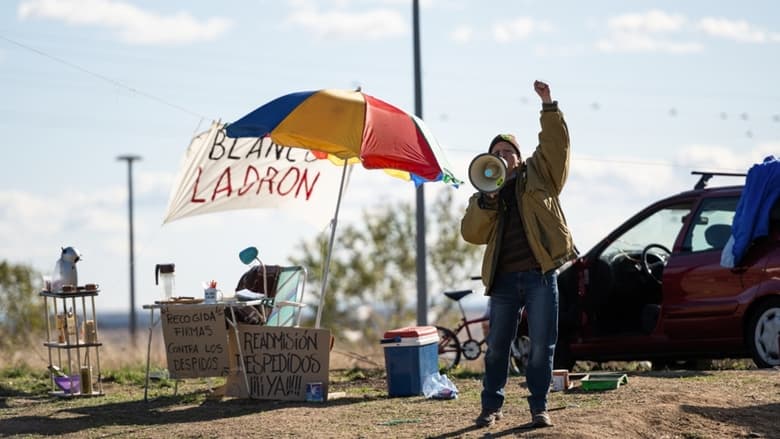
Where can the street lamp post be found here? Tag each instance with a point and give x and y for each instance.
(422, 279)
(130, 159)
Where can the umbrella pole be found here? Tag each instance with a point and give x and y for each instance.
(326, 268)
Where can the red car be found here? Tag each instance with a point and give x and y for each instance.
(654, 289)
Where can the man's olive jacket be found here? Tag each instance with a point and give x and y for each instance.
(539, 183)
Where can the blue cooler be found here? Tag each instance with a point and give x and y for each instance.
(411, 354)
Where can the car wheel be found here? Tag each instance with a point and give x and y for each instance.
(764, 334)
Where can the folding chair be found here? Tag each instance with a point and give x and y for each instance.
(283, 288)
(286, 309)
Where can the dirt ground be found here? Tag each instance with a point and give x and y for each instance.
(670, 404)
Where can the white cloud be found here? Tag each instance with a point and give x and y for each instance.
(519, 29)
(154, 182)
(576, 49)
(375, 24)
(34, 223)
(462, 34)
(619, 186)
(652, 21)
(713, 158)
(35, 226)
(720, 158)
(640, 32)
(132, 24)
(736, 30)
(19, 208)
(766, 149)
(601, 193)
(628, 42)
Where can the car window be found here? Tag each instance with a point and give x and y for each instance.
(661, 227)
(711, 227)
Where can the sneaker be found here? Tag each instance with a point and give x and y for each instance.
(488, 417)
(540, 419)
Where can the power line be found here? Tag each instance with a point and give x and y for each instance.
(104, 78)
(629, 162)
(649, 163)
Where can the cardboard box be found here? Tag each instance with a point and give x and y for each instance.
(280, 362)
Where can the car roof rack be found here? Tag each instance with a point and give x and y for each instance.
(707, 175)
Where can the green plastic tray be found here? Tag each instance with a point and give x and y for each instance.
(604, 381)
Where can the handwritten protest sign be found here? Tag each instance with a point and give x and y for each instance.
(195, 340)
(280, 362)
(221, 173)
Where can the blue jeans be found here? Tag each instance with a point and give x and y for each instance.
(539, 294)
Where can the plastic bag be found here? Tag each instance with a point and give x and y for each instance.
(438, 386)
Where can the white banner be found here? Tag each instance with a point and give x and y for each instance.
(221, 173)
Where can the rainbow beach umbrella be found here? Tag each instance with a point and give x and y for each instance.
(349, 126)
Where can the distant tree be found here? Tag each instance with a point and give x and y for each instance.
(21, 310)
(372, 281)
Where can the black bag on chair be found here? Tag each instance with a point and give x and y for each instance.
(253, 281)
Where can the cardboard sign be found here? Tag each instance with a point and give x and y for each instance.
(280, 362)
(195, 340)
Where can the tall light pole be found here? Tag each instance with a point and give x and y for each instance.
(422, 278)
(130, 159)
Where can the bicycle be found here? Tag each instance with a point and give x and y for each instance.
(451, 348)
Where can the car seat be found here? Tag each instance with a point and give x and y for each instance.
(717, 235)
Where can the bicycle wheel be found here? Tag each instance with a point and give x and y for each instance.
(449, 349)
(520, 348)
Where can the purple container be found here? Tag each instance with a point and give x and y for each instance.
(64, 383)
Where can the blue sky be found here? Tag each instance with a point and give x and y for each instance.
(650, 90)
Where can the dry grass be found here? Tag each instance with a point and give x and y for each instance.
(119, 350)
(673, 404)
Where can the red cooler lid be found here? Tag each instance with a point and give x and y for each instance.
(411, 331)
